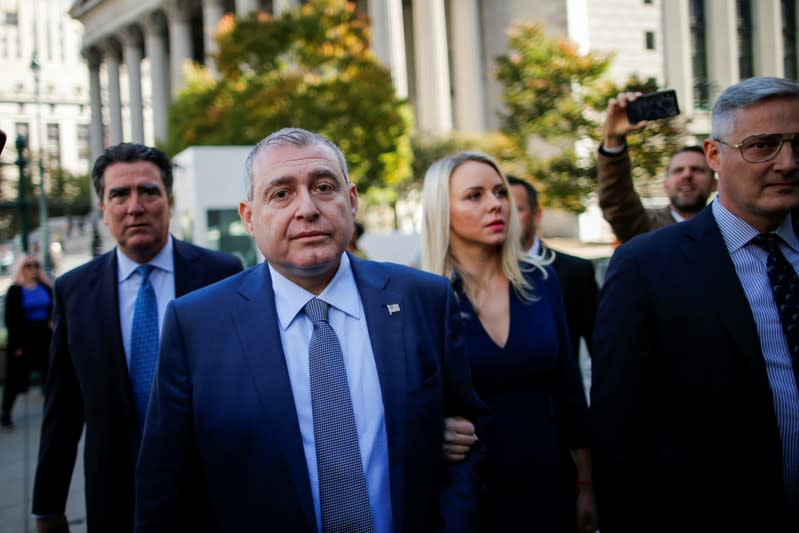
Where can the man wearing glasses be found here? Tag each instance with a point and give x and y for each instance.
(696, 350)
(688, 184)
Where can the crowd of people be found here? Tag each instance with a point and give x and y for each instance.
(321, 391)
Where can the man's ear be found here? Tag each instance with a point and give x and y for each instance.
(354, 200)
(713, 154)
(245, 214)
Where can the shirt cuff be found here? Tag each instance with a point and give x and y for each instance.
(612, 151)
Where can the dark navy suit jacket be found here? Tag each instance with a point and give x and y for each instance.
(89, 382)
(686, 437)
(222, 449)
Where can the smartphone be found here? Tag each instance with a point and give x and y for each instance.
(653, 106)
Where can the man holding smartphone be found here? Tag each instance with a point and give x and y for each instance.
(688, 184)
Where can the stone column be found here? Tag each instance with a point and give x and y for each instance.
(213, 11)
(178, 13)
(155, 47)
(279, 6)
(96, 140)
(677, 45)
(767, 38)
(112, 59)
(433, 104)
(246, 7)
(467, 66)
(131, 50)
(722, 45)
(388, 40)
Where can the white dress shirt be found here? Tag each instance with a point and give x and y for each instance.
(162, 279)
(346, 316)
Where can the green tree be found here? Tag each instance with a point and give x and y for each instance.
(70, 194)
(309, 68)
(554, 97)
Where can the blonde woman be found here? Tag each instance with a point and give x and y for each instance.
(28, 307)
(537, 468)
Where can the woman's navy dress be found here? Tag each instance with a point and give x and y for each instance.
(533, 388)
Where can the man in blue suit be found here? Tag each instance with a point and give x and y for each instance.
(90, 382)
(696, 355)
(236, 439)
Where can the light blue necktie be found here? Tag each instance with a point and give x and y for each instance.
(144, 342)
(342, 485)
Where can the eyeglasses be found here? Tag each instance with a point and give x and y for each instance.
(31, 265)
(765, 147)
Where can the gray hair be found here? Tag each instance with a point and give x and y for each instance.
(286, 136)
(745, 94)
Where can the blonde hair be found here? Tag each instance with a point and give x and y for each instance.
(19, 266)
(436, 248)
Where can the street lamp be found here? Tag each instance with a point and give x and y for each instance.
(43, 222)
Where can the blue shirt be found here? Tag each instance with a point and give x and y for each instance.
(36, 303)
(750, 265)
(162, 279)
(346, 316)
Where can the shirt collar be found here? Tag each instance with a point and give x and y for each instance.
(163, 260)
(738, 233)
(341, 293)
(536, 248)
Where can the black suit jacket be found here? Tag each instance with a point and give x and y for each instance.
(580, 294)
(686, 437)
(89, 382)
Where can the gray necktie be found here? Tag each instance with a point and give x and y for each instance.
(342, 485)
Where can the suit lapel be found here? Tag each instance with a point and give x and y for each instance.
(257, 327)
(103, 296)
(706, 251)
(185, 275)
(386, 335)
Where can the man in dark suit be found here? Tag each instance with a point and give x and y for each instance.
(695, 356)
(237, 438)
(90, 357)
(576, 275)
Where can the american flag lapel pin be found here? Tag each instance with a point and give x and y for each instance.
(393, 308)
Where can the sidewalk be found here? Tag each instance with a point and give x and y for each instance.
(18, 450)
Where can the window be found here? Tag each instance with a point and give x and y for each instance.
(53, 147)
(649, 38)
(789, 38)
(745, 52)
(699, 54)
(11, 18)
(84, 149)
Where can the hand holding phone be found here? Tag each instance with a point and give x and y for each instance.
(653, 106)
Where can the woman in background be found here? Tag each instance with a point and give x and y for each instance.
(537, 467)
(29, 304)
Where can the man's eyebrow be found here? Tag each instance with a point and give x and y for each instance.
(119, 189)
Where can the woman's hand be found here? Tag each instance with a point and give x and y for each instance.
(459, 436)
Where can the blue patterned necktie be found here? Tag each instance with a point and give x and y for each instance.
(342, 485)
(144, 342)
(785, 286)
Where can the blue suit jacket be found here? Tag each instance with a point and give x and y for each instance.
(686, 437)
(89, 382)
(222, 449)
